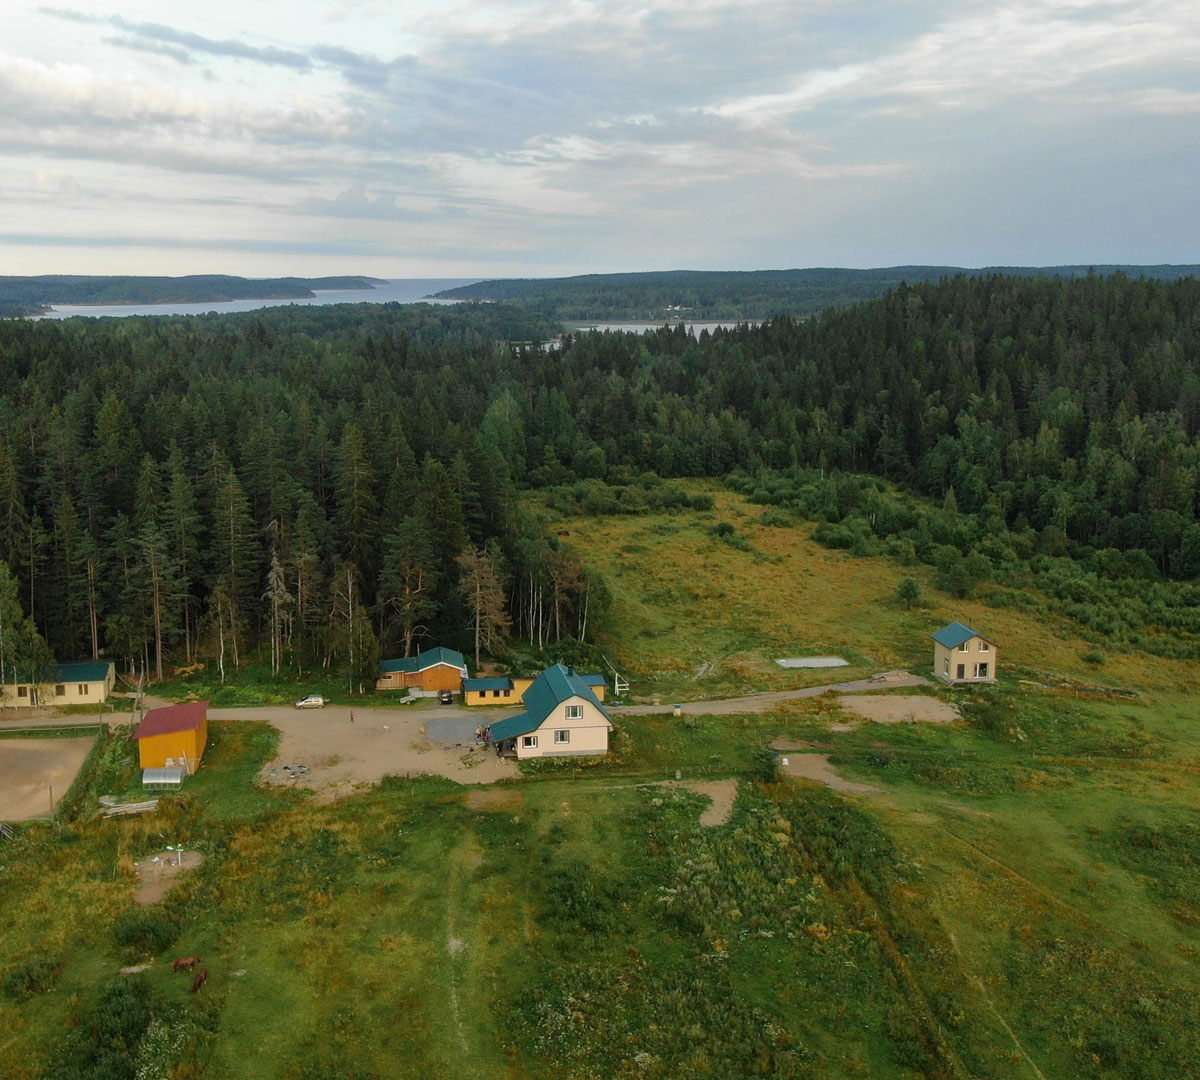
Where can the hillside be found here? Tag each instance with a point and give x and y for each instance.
(755, 295)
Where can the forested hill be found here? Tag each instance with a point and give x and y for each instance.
(312, 475)
(30, 295)
(757, 294)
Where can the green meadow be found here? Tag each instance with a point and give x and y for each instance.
(1020, 898)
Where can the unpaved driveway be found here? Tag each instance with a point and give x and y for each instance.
(342, 756)
(816, 767)
(30, 769)
(767, 701)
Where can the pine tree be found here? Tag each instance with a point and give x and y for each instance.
(483, 595)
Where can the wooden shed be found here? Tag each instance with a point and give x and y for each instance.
(434, 669)
(173, 737)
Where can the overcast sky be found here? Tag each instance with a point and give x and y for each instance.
(420, 138)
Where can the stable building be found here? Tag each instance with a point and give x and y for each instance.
(504, 690)
(963, 656)
(434, 669)
(173, 737)
(88, 682)
(563, 717)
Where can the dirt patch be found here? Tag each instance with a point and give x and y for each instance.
(816, 767)
(324, 751)
(496, 801)
(157, 873)
(721, 795)
(31, 768)
(900, 709)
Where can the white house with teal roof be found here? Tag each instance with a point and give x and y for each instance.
(963, 656)
(563, 716)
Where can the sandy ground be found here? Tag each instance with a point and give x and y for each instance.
(767, 701)
(721, 795)
(816, 767)
(341, 756)
(29, 768)
(900, 709)
(156, 878)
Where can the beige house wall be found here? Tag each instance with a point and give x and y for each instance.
(588, 734)
(30, 695)
(946, 662)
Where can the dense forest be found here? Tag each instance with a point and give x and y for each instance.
(754, 295)
(319, 483)
(32, 295)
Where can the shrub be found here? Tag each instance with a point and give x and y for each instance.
(145, 933)
(764, 764)
(908, 592)
(35, 976)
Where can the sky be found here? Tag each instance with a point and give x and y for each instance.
(534, 138)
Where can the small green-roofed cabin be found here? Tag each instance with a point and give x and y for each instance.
(562, 716)
(86, 682)
(434, 669)
(962, 656)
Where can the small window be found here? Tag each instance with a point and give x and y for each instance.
(574, 712)
(529, 742)
(981, 671)
(22, 691)
(60, 690)
(561, 737)
(984, 646)
(965, 646)
(82, 688)
(946, 666)
(495, 693)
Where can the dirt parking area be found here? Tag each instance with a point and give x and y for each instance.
(31, 768)
(816, 767)
(900, 708)
(334, 756)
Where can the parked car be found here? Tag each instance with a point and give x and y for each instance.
(446, 697)
(313, 701)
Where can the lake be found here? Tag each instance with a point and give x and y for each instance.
(398, 290)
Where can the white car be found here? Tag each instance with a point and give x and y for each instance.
(313, 701)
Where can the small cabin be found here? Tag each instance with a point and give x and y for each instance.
(563, 717)
(511, 691)
(434, 669)
(173, 737)
(962, 656)
(88, 682)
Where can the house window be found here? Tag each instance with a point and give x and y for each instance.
(962, 671)
(561, 737)
(965, 646)
(574, 712)
(981, 671)
(495, 693)
(60, 690)
(529, 742)
(984, 647)
(946, 666)
(82, 688)
(22, 691)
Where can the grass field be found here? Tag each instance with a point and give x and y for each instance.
(1021, 899)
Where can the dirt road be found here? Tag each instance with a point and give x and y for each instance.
(767, 701)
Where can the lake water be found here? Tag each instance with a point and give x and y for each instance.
(693, 328)
(399, 290)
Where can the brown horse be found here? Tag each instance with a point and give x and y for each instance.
(200, 980)
(185, 963)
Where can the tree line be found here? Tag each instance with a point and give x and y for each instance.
(319, 483)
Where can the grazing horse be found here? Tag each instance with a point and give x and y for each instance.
(185, 963)
(200, 980)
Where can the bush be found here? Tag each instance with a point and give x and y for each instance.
(35, 976)
(908, 592)
(145, 933)
(764, 765)
(1093, 656)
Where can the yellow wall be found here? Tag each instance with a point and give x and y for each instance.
(155, 751)
(515, 696)
(43, 694)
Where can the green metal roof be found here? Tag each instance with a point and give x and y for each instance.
(84, 671)
(471, 685)
(427, 659)
(549, 690)
(955, 634)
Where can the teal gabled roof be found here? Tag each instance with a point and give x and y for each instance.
(955, 634)
(429, 658)
(473, 685)
(84, 671)
(549, 690)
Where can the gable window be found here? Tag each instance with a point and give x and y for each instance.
(561, 737)
(984, 647)
(60, 690)
(574, 712)
(965, 646)
(529, 742)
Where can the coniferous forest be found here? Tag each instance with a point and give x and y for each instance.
(313, 483)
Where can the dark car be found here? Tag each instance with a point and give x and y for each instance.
(446, 697)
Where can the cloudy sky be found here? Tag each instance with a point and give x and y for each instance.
(414, 138)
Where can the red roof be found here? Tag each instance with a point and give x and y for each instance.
(172, 718)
